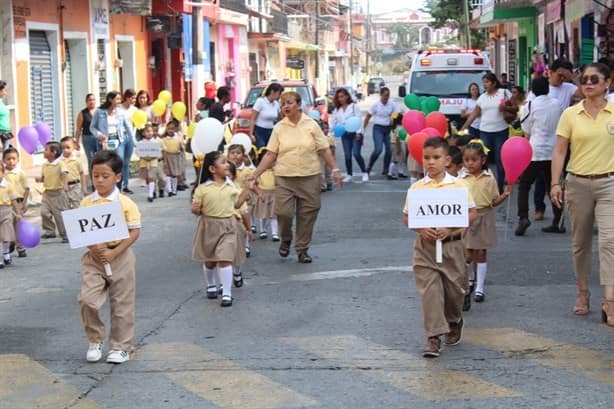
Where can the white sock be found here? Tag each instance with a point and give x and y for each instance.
(151, 188)
(274, 228)
(247, 241)
(470, 273)
(226, 280)
(7, 252)
(168, 184)
(174, 184)
(261, 225)
(391, 168)
(402, 169)
(482, 267)
(210, 278)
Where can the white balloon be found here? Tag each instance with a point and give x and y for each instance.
(242, 139)
(208, 135)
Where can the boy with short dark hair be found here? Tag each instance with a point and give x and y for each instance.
(74, 182)
(442, 286)
(106, 173)
(54, 197)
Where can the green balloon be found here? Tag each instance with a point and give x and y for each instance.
(412, 101)
(403, 134)
(433, 104)
(424, 106)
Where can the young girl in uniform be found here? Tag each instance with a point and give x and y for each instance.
(216, 200)
(236, 155)
(243, 229)
(172, 143)
(482, 233)
(397, 165)
(74, 183)
(8, 205)
(148, 166)
(265, 207)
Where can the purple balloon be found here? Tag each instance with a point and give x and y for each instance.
(28, 234)
(44, 133)
(28, 138)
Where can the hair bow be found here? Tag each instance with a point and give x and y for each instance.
(481, 143)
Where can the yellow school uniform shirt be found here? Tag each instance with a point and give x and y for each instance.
(243, 209)
(17, 181)
(217, 200)
(483, 188)
(52, 174)
(447, 182)
(266, 181)
(6, 193)
(73, 167)
(591, 140)
(171, 144)
(242, 172)
(297, 146)
(132, 215)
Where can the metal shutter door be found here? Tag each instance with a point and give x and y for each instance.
(68, 91)
(41, 81)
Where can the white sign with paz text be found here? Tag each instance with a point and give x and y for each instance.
(97, 224)
(145, 149)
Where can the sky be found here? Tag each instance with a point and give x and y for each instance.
(383, 6)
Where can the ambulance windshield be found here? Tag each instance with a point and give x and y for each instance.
(446, 83)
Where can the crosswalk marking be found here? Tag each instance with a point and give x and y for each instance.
(25, 383)
(548, 352)
(219, 380)
(407, 372)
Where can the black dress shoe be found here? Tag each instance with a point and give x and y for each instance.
(390, 177)
(402, 176)
(126, 190)
(479, 297)
(48, 236)
(523, 225)
(161, 193)
(304, 258)
(150, 199)
(226, 301)
(237, 279)
(553, 228)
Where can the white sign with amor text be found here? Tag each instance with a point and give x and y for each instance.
(438, 208)
(145, 149)
(98, 224)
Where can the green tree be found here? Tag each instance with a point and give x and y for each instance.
(407, 34)
(448, 12)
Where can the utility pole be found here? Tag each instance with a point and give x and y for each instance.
(317, 72)
(468, 21)
(351, 31)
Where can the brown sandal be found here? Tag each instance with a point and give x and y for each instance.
(284, 248)
(607, 312)
(582, 301)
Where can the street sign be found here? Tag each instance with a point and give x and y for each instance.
(295, 63)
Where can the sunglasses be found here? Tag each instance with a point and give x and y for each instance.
(594, 79)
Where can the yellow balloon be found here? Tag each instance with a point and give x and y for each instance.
(165, 96)
(158, 107)
(139, 119)
(178, 110)
(191, 129)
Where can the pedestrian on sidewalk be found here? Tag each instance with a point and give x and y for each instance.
(589, 188)
(539, 119)
(442, 286)
(127, 108)
(54, 200)
(83, 134)
(381, 112)
(9, 208)
(216, 200)
(110, 267)
(5, 119)
(18, 183)
(74, 182)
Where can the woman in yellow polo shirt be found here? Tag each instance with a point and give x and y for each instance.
(587, 130)
(296, 144)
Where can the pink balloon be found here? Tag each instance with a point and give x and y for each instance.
(28, 138)
(431, 132)
(28, 234)
(413, 121)
(516, 155)
(44, 133)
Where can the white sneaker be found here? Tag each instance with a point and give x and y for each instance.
(94, 352)
(347, 179)
(365, 177)
(118, 357)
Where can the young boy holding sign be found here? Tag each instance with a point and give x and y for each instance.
(114, 257)
(442, 285)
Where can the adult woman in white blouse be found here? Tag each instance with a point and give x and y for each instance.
(468, 107)
(494, 130)
(381, 112)
(346, 108)
(265, 114)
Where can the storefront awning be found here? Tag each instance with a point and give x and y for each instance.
(299, 45)
(498, 13)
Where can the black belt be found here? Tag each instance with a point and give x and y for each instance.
(74, 182)
(453, 237)
(598, 176)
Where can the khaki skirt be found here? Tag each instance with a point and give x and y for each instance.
(7, 230)
(482, 233)
(215, 239)
(398, 153)
(412, 165)
(265, 209)
(172, 165)
(148, 173)
(240, 234)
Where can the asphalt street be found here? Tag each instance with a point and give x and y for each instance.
(343, 332)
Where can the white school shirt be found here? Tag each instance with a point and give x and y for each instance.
(562, 93)
(112, 124)
(542, 117)
(382, 113)
(469, 105)
(491, 118)
(339, 116)
(268, 112)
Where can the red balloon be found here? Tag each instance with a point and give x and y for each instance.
(415, 144)
(438, 121)
(432, 132)
(516, 155)
(413, 121)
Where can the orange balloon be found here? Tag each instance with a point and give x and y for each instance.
(415, 144)
(438, 121)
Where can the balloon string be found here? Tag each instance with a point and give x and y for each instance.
(507, 217)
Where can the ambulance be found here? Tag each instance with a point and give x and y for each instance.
(447, 74)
